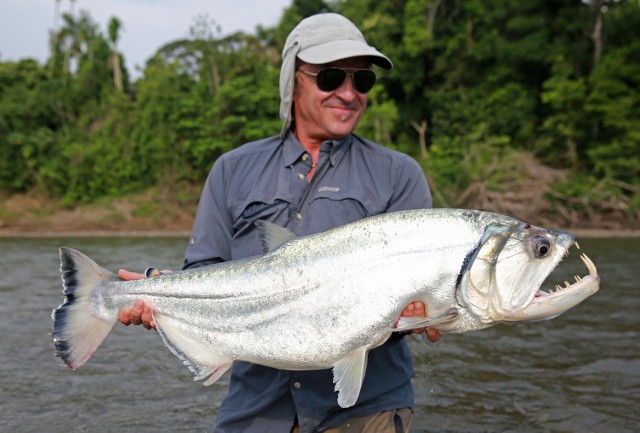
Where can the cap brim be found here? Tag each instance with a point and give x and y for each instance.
(338, 50)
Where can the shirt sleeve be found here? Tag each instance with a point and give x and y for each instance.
(210, 240)
(411, 190)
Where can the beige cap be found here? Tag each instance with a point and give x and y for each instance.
(319, 39)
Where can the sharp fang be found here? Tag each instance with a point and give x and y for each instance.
(578, 278)
(566, 284)
(577, 246)
(590, 266)
(558, 287)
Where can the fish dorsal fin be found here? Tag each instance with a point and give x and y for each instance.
(348, 374)
(272, 235)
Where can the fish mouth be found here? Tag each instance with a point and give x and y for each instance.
(593, 272)
(549, 304)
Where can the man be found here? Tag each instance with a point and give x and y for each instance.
(315, 175)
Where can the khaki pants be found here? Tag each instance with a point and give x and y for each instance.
(391, 421)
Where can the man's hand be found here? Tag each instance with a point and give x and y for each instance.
(417, 309)
(140, 313)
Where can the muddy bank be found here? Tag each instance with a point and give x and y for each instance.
(144, 215)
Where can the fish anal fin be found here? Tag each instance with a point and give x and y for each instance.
(348, 374)
(410, 323)
(200, 358)
(272, 235)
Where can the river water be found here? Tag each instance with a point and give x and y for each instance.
(577, 373)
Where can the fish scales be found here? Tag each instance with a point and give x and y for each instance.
(304, 286)
(325, 300)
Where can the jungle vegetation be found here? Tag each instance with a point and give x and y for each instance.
(507, 104)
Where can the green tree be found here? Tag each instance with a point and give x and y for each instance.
(616, 101)
(476, 88)
(27, 122)
(566, 125)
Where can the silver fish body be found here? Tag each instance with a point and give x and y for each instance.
(323, 301)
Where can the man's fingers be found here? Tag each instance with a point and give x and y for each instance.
(147, 318)
(409, 310)
(139, 314)
(125, 316)
(433, 335)
(123, 274)
(416, 309)
(136, 313)
(419, 309)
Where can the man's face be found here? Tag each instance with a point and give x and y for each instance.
(328, 115)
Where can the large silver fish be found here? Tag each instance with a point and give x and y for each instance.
(323, 301)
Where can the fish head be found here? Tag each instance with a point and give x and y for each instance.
(502, 279)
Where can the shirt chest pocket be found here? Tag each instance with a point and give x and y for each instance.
(341, 207)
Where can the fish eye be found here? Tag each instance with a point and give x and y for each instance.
(541, 247)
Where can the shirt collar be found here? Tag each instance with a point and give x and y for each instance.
(293, 150)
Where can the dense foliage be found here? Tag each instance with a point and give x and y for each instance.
(474, 83)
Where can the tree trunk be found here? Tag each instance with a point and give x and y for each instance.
(117, 71)
(422, 133)
(431, 17)
(597, 33)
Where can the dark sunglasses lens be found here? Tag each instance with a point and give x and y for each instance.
(330, 79)
(364, 80)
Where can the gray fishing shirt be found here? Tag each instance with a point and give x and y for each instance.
(267, 180)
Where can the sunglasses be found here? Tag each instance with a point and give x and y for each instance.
(329, 79)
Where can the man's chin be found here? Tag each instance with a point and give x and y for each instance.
(342, 129)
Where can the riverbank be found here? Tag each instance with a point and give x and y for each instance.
(144, 214)
(147, 215)
(42, 233)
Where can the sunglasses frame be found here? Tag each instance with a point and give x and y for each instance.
(349, 72)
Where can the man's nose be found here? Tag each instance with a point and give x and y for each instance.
(346, 91)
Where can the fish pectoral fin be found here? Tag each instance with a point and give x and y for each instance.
(348, 374)
(196, 355)
(410, 323)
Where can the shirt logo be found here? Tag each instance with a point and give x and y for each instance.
(328, 189)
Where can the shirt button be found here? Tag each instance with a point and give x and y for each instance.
(300, 176)
(299, 216)
(297, 385)
(305, 156)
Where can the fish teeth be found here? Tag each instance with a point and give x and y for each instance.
(578, 278)
(590, 266)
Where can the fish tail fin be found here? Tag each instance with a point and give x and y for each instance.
(77, 332)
